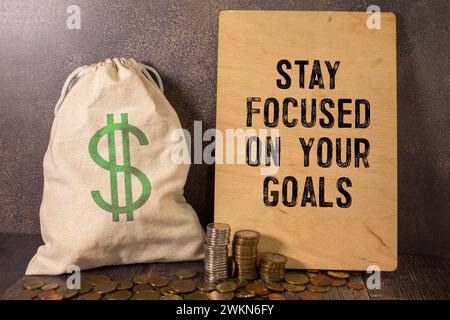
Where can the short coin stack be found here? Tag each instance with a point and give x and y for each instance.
(216, 252)
(272, 266)
(245, 253)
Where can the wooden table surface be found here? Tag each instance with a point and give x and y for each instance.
(417, 277)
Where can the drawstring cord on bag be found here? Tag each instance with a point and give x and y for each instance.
(77, 73)
(156, 74)
(67, 85)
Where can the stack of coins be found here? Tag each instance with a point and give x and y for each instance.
(245, 253)
(216, 252)
(272, 266)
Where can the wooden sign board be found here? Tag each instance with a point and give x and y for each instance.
(327, 83)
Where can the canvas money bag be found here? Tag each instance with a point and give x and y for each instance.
(112, 193)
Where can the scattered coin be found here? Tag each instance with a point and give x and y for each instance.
(94, 280)
(27, 294)
(105, 286)
(338, 282)
(50, 286)
(33, 284)
(354, 285)
(171, 297)
(166, 290)
(339, 274)
(320, 280)
(183, 286)
(119, 295)
(308, 295)
(216, 295)
(158, 281)
(226, 286)
(196, 295)
(66, 292)
(293, 287)
(186, 273)
(257, 288)
(142, 288)
(296, 278)
(141, 279)
(206, 286)
(147, 295)
(85, 287)
(50, 295)
(91, 296)
(244, 294)
(277, 296)
(320, 289)
(273, 286)
(124, 285)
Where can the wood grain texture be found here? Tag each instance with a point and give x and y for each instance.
(251, 43)
(416, 277)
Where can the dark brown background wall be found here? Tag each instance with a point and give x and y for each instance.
(179, 38)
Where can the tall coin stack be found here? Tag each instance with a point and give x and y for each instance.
(245, 253)
(272, 267)
(216, 252)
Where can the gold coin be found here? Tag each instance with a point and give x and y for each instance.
(91, 296)
(354, 285)
(85, 287)
(66, 292)
(33, 284)
(183, 286)
(296, 278)
(142, 288)
(158, 281)
(166, 290)
(147, 295)
(50, 295)
(240, 283)
(257, 288)
(141, 279)
(277, 296)
(244, 294)
(320, 280)
(313, 270)
(105, 287)
(50, 286)
(171, 297)
(338, 282)
(293, 287)
(310, 274)
(119, 295)
(308, 295)
(196, 295)
(216, 295)
(94, 280)
(320, 289)
(27, 295)
(206, 286)
(339, 274)
(273, 286)
(186, 273)
(226, 286)
(124, 285)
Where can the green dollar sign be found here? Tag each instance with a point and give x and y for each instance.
(114, 168)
